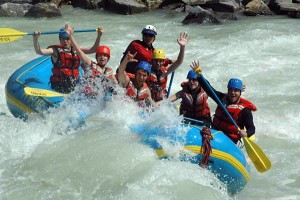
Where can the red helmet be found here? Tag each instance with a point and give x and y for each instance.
(104, 50)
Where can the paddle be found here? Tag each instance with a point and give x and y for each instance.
(255, 153)
(170, 84)
(10, 35)
(42, 92)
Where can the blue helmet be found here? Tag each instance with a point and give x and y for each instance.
(191, 75)
(235, 83)
(145, 66)
(62, 33)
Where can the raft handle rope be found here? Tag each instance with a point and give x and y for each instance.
(206, 146)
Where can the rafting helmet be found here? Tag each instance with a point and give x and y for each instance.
(149, 29)
(63, 34)
(158, 54)
(145, 66)
(191, 75)
(104, 50)
(235, 83)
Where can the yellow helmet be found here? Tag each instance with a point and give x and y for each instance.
(158, 54)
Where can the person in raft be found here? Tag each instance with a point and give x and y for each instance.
(65, 72)
(157, 81)
(135, 84)
(239, 108)
(144, 49)
(98, 69)
(194, 103)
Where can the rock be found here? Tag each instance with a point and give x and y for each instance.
(257, 7)
(89, 4)
(126, 7)
(16, 1)
(229, 6)
(14, 9)
(200, 15)
(43, 10)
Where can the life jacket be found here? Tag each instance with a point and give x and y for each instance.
(158, 84)
(143, 53)
(137, 95)
(92, 83)
(194, 105)
(223, 123)
(97, 71)
(65, 70)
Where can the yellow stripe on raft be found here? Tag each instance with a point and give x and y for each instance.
(223, 156)
(18, 104)
(216, 154)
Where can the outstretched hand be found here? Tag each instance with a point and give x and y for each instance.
(36, 34)
(100, 30)
(196, 67)
(183, 38)
(69, 30)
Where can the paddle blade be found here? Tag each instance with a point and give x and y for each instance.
(42, 92)
(257, 156)
(9, 35)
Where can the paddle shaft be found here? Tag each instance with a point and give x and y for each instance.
(170, 84)
(55, 32)
(46, 32)
(219, 101)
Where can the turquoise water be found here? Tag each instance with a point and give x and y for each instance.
(46, 159)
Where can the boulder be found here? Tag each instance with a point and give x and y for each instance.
(89, 4)
(126, 7)
(14, 9)
(257, 7)
(229, 6)
(49, 10)
(16, 1)
(200, 15)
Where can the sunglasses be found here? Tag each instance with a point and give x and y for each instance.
(148, 35)
(65, 38)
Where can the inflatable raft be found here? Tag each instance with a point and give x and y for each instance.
(28, 91)
(34, 78)
(226, 160)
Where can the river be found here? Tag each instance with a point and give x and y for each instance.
(45, 158)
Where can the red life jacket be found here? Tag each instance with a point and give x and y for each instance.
(223, 123)
(98, 71)
(143, 54)
(135, 94)
(194, 105)
(158, 84)
(93, 83)
(66, 66)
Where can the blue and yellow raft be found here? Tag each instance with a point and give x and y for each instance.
(226, 160)
(35, 74)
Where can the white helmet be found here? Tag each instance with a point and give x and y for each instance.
(149, 29)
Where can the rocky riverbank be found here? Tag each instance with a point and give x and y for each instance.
(198, 11)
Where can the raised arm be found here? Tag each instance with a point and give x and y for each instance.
(93, 49)
(37, 47)
(83, 57)
(182, 40)
(197, 69)
(122, 77)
